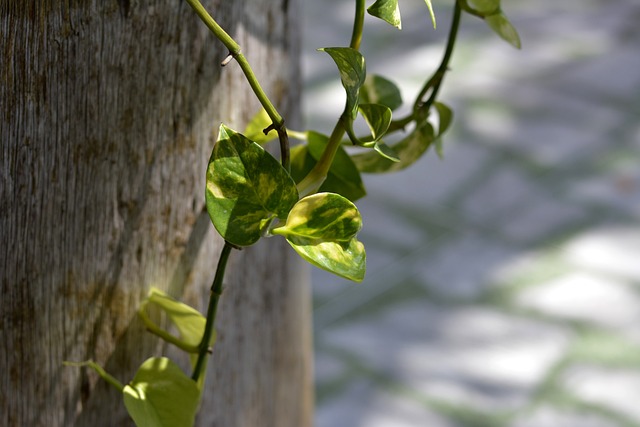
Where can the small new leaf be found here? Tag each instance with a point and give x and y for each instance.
(388, 11)
(378, 118)
(408, 150)
(445, 116)
(161, 395)
(246, 188)
(500, 25)
(189, 322)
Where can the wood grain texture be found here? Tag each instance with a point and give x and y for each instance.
(109, 113)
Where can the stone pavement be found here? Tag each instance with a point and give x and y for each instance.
(503, 286)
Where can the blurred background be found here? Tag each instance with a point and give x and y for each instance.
(503, 282)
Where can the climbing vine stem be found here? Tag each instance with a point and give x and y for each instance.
(358, 25)
(312, 182)
(236, 53)
(435, 82)
(214, 297)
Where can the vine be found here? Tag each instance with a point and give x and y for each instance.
(307, 197)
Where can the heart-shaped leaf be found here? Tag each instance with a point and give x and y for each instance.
(352, 70)
(161, 395)
(408, 150)
(322, 229)
(246, 188)
(343, 177)
(378, 90)
(387, 10)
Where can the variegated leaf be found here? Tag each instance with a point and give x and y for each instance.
(322, 217)
(345, 259)
(352, 70)
(246, 188)
(322, 229)
(387, 10)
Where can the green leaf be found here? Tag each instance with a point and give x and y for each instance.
(378, 118)
(378, 90)
(189, 322)
(408, 150)
(387, 10)
(322, 229)
(485, 6)
(345, 259)
(352, 70)
(343, 177)
(322, 217)
(246, 188)
(255, 129)
(501, 25)
(445, 117)
(433, 15)
(161, 395)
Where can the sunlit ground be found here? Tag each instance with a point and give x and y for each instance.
(503, 283)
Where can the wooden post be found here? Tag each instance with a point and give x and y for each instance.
(109, 113)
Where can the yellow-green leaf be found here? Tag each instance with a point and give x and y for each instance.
(322, 217)
(255, 129)
(161, 395)
(322, 229)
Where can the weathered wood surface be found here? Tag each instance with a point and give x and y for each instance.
(109, 112)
